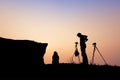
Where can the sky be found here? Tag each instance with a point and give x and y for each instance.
(57, 23)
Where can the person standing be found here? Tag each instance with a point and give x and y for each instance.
(83, 39)
(55, 58)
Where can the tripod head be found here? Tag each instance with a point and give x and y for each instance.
(94, 44)
(76, 44)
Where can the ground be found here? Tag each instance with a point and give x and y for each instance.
(66, 71)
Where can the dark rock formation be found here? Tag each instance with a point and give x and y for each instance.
(21, 52)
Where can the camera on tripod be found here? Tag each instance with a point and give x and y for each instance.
(95, 48)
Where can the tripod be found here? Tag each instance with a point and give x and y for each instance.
(95, 48)
(76, 53)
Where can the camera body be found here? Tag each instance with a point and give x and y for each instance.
(85, 37)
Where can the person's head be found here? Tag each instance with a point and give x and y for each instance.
(55, 53)
(79, 34)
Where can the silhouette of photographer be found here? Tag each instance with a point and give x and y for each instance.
(55, 58)
(83, 39)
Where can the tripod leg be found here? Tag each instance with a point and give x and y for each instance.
(101, 56)
(72, 58)
(93, 55)
(79, 58)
